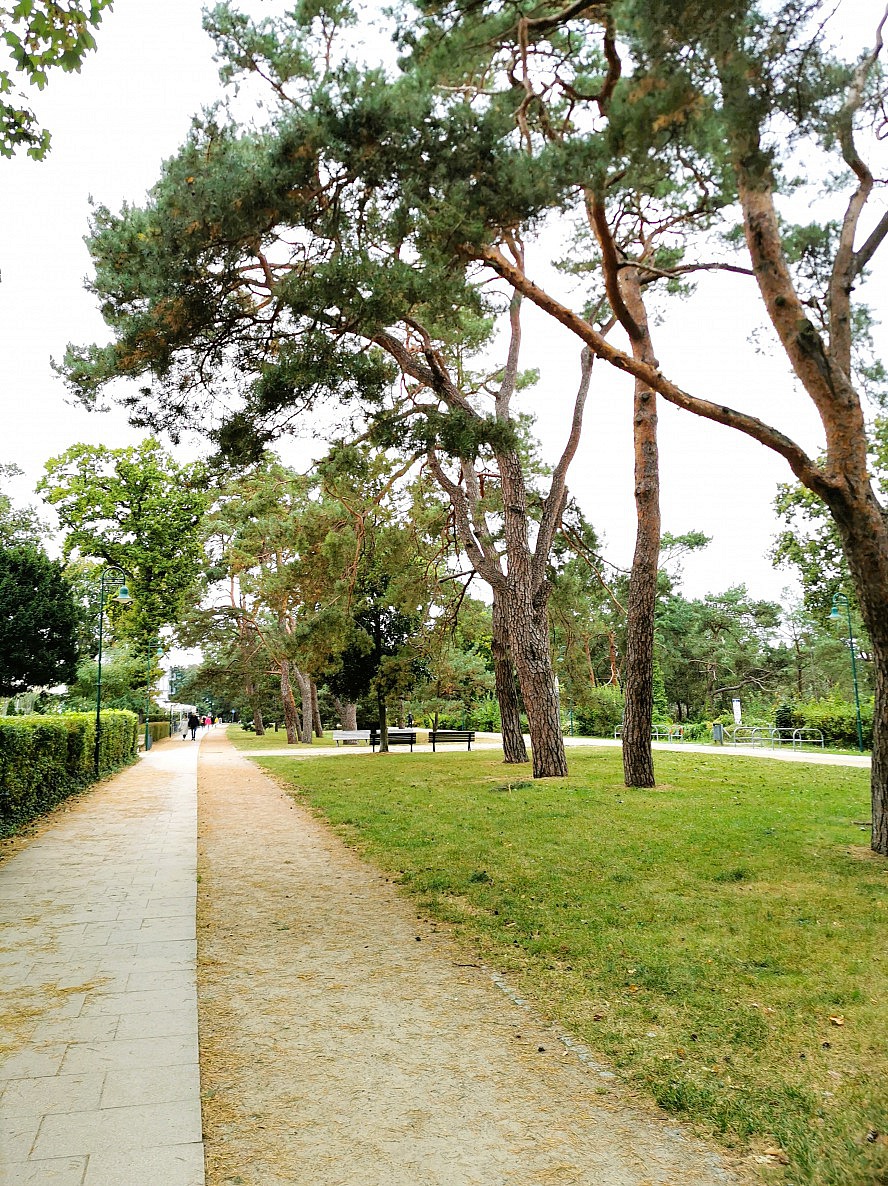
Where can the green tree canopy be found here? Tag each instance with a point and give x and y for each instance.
(38, 621)
(138, 509)
(18, 525)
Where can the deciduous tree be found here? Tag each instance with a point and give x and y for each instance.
(40, 35)
(138, 509)
(38, 621)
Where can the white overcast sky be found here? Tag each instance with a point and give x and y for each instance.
(131, 106)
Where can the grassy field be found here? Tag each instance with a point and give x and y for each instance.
(243, 739)
(720, 939)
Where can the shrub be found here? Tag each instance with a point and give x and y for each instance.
(601, 712)
(698, 731)
(158, 729)
(43, 759)
(783, 717)
(485, 715)
(836, 720)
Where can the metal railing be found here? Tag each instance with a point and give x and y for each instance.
(751, 735)
(773, 738)
(658, 732)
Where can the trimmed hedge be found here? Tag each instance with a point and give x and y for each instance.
(43, 759)
(157, 729)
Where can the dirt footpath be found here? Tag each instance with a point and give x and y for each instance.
(337, 1050)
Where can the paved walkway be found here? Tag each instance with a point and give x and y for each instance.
(99, 1080)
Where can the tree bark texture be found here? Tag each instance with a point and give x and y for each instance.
(514, 749)
(864, 530)
(291, 712)
(528, 627)
(253, 699)
(305, 722)
(316, 711)
(347, 711)
(638, 666)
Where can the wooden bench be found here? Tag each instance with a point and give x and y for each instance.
(351, 735)
(451, 735)
(395, 737)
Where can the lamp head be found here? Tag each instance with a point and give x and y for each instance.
(122, 595)
(834, 612)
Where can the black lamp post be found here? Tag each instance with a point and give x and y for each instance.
(842, 599)
(123, 596)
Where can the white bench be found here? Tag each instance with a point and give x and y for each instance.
(351, 735)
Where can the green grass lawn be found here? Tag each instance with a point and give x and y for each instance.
(243, 739)
(722, 939)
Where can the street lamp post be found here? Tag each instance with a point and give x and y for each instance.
(123, 596)
(842, 599)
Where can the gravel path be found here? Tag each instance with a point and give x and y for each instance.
(344, 1043)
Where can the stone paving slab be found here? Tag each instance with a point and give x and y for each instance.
(99, 1078)
(176, 1165)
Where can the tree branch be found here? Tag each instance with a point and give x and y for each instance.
(553, 507)
(684, 269)
(541, 24)
(491, 573)
(510, 375)
(844, 265)
(868, 250)
(801, 464)
(610, 261)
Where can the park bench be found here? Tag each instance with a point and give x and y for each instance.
(351, 735)
(395, 737)
(437, 736)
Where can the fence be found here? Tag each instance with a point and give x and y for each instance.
(752, 735)
(658, 732)
(767, 735)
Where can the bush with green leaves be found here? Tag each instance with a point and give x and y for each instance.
(601, 712)
(43, 759)
(836, 719)
(698, 731)
(157, 730)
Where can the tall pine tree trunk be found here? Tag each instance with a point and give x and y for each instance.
(528, 629)
(638, 667)
(316, 711)
(864, 530)
(291, 712)
(514, 749)
(347, 711)
(306, 709)
(253, 699)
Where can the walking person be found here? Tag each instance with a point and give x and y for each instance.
(193, 722)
